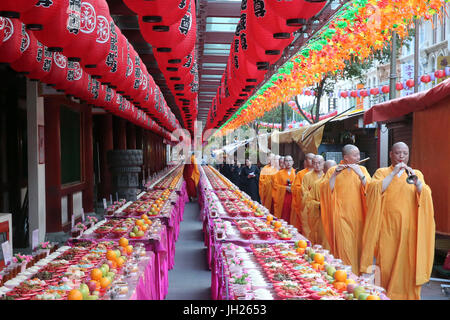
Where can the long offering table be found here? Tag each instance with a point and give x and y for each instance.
(255, 256)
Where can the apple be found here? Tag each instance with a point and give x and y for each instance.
(103, 269)
(140, 233)
(331, 271)
(351, 287)
(111, 275)
(132, 234)
(349, 297)
(92, 285)
(135, 229)
(118, 254)
(106, 266)
(363, 296)
(357, 291)
(92, 297)
(84, 289)
(110, 264)
(96, 293)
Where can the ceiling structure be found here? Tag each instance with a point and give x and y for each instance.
(216, 25)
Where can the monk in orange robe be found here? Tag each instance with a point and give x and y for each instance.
(312, 207)
(265, 182)
(343, 207)
(283, 196)
(280, 161)
(191, 175)
(297, 205)
(400, 228)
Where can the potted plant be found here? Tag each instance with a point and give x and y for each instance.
(78, 229)
(22, 260)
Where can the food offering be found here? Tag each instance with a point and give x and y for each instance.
(246, 228)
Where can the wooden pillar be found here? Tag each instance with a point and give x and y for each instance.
(88, 159)
(131, 136)
(52, 165)
(105, 144)
(120, 134)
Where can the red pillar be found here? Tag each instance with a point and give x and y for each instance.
(88, 148)
(52, 165)
(106, 143)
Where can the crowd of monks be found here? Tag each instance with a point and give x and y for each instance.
(379, 224)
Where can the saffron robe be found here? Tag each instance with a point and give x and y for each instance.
(400, 233)
(297, 200)
(306, 186)
(280, 182)
(265, 185)
(191, 175)
(343, 212)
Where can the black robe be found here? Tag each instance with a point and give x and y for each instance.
(235, 175)
(251, 185)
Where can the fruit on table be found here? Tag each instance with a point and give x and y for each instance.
(96, 274)
(358, 290)
(373, 297)
(351, 287)
(123, 242)
(92, 297)
(93, 285)
(320, 259)
(331, 270)
(75, 294)
(301, 244)
(105, 282)
(84, 289)
(111, 255)
(363, 296)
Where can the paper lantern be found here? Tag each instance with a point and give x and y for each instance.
(354, 93)
(364, 93)
(374, 91)
(295, 13)
(439, 74)
(15, 40)
(385, 89)
(425, 78)
(410, 83)
(162, 12)
(344, 94)
(58, 72)
(14, 8)
(399, 86)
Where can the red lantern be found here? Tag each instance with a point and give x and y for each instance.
(354, 94)
(344, 94)
(374, 91)
(385, 89)
(399, 86)
(16, 40)
(439, 74)
(295, 13)
(13, 8)
(425, 78)
(410, 83)
(58, 72)
(159, 12)
(363, 93)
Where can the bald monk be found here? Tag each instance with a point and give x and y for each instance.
(297, 204)
(343, 207)
(283, 196)
(400, 228)
(274, 187)
(265, 182)
(191, 175)
(307, 184)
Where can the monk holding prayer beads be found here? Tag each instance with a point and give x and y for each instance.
(400, 227)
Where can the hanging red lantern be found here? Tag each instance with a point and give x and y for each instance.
(425, 78)
(374, 91)
(385, 89)
(294, 13)
(399, 86)
(2, 31)
(58, 72)
(344, 94)
(161, 12)
(14, 8)
(354, 94)
(410, 83)
(364, 93)
(16, 40)
(439, 74)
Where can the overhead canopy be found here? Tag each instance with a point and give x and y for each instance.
(401, 106)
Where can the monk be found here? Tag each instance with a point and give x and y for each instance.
(312, 207)
(283, 196)
(278, 164)
(400, 228)
(274, 187)
(306, 186)
(343, 207)
(297, 205)
(191, 175)
(265, 182)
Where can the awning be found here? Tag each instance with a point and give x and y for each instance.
(401, 106)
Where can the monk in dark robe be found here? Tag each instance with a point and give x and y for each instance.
(250, 178)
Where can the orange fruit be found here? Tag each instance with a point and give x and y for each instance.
(96, 274)
(302, 244)
(277, 224)
(316, 266)
(129, 249)
(123, 242)
(75, 294)
(139, 222)
(111, 255)
(349, 281)
(120, 261)
(144, 227)
(104, 282)
(340, 286)
(144, 216)
(300, 250)
(319, 258)
(340, 276)
(269, 217)
(373, 297)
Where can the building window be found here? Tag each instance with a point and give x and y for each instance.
(70, 133)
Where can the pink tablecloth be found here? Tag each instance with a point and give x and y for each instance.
(146, 288)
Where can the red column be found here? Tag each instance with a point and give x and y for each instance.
(88, 159)
(106, 143)
(52, 165)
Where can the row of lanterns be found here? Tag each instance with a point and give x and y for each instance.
(83, 35)
(170, 27)
(265, 29)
